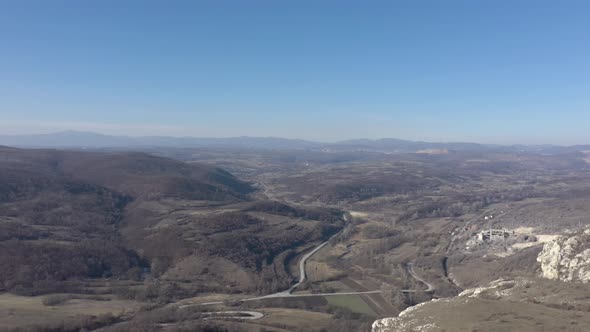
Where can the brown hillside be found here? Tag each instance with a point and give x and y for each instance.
(60, 212)
(66, 216)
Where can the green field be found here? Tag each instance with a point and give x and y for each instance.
(352, 302)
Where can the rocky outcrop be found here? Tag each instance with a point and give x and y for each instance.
(519, 304)
(421, 317)
(567, 258)
(405, 322)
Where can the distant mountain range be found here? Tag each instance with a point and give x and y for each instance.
(78, 139)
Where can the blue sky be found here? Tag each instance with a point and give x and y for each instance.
(483, 71)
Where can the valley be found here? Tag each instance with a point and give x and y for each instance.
(294, 166)
(215, 240)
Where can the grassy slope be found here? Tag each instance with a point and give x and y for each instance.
(353, 303)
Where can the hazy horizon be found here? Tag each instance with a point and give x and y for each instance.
(496, 73)
(93, 132)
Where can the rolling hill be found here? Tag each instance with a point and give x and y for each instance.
(66, 216)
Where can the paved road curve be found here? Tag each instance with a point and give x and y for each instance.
(410, 268)
(288, 292)
(242, 315)
(249, 315)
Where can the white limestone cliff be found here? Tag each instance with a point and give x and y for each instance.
(567, 258)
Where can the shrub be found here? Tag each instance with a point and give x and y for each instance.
(56, 299)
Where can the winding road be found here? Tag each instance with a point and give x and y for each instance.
(289, 292)
(242, 315)
(248, 315)
(302, 263)
(410, 269)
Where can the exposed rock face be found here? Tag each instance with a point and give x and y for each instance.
(405, 321)
(412, 319)
(524, 305)
(567, 258)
